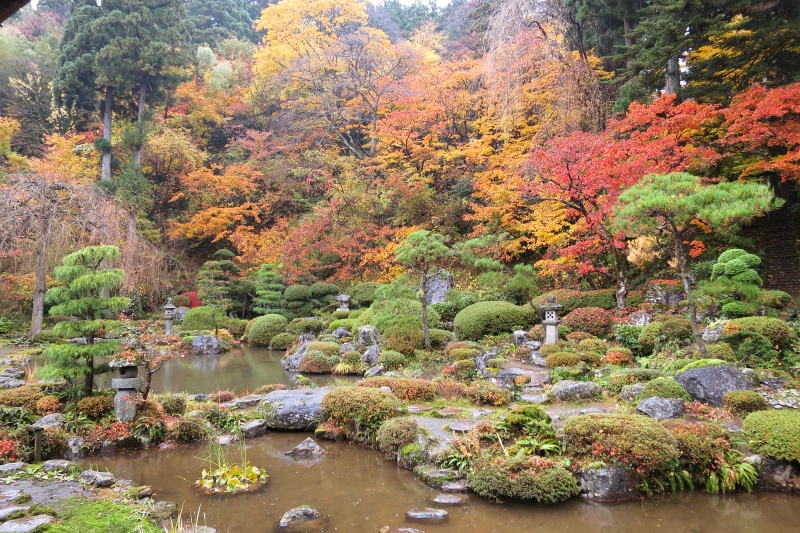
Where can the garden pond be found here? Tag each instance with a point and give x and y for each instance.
(358, 490)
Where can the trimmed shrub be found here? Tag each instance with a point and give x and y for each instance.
(487, 393)
(699, 443)
(449, 389)
(222, 396)
(368, 406)
(346, 323)
(462, 354)
(316, 362)
(341, 313)
(743, 402)
(465, 369)
(352, 358)
(95, 406)
(297, 293)
(193, 297)
(460, 346)
(649, 335)
(517, 420)
(629, 376)
(522, 478)
(701, 363)
(330, 349)
(775, 329)
(593, 320)
(598, 346)
(491, 318)
(562, 359)
(320, 290)
(568, 299)
(396, 433)
(407, 389)
(590, 358)
(561, 346)
(635, 441)
(392, 360)
(48, 405)
(236, 327)
(720, 350)
(403, 338)
(578, 336)
(264, 328)
(266, 389)
(248, 327)
(305, 325)
(364, 293)
(752, 348)
(282, 341)
(603, 298)
(439, 337)
(618, 356)
(173, 404)
(664, 388)
(774, 434)
(200, 318)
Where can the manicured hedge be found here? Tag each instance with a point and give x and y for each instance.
(200, 318)
(264, 328)
(491, 318)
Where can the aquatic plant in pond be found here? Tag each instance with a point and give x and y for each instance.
(223, 475)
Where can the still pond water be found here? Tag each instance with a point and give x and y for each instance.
(358, 490)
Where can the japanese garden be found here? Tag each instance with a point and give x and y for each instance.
(335, 265)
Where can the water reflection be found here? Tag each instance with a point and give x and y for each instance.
(358, 490)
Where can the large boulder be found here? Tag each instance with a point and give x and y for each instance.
(607, 483)
(293, 409)
(438, 287)
(370, 357)
(291, 363)
(568, 391)
(368, 335)
(54, 420)
(205, 345)
(630, 392)
(661, 408)
(773, 474)
(708, 384)
(307, 447)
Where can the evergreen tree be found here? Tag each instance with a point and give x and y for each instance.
(269, 290)
(215, 283)
(81, 283)
(217, 20)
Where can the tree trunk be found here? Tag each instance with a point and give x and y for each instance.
(39, 285)
(687, 288)
(424, 317)
(673, 76)
(622, 281)
(137, 150)
(627, 29)
(88, 381)
(106, 161)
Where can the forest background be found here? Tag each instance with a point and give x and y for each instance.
(315, 136)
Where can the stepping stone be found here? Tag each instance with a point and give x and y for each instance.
(58, 465)
(8, 511)
(10, 494)
(427, 513)
(25, 525)
(533, 398)
(462, 427)
(449, 411)
(11, 468)
(455, 486)
(248, 401)
(448, 499)
(480, 413)
(592, 411)
(98, 479)
(418, 408)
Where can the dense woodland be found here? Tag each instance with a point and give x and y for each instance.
(315, 136)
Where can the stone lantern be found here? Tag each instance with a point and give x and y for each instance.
(169, 315)
(344, 302)
(127, 386)
(551, 320)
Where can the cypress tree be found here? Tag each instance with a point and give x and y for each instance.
(81, 282)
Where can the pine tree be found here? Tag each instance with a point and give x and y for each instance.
(82, 279)
(215, 282)
(217, 20)
(269, 290)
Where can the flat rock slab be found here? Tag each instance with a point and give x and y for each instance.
(12, 509)
(592, 411)
(427, 513)
(480, 413)
(568, 391)
(449, 411)
(98, 479)
(58, 465)
(248, 401)
(533, 398)
(463, 426)
(401, 530)
(11, 468)
(47, 493)
(448, 499)
(307, 447)
(254, 428)
(293, 409)
(25, 525)
(455, 486)
(9, 495)
(418, 408)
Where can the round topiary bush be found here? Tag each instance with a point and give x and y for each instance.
(364, 293)
(774, 434)
(48, 405)
(367, 405)
(282, 341)
(351, 358)
(95, 406)
(200, 318)
(562, 359)
(462, 354)
(439, 337)
(330, 349)
(264, 328)
(407, 389)
(720, 350)
(392, 360)
(561, 346)
(173, 404)
(578, 336)
(487, 393)
(465, 369)
(743, 402)
(297, 293)
(634, 441)
(320, 290)
(618, 356)
(316, 362)
(305, 325)
(592, 320)
(396, 433)
(630, 376)
(590, 358)
(664, 388)
(491, 318)
(340, 314)
(596, 345)
(272, 387)
(522, 478)
(775, 329)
